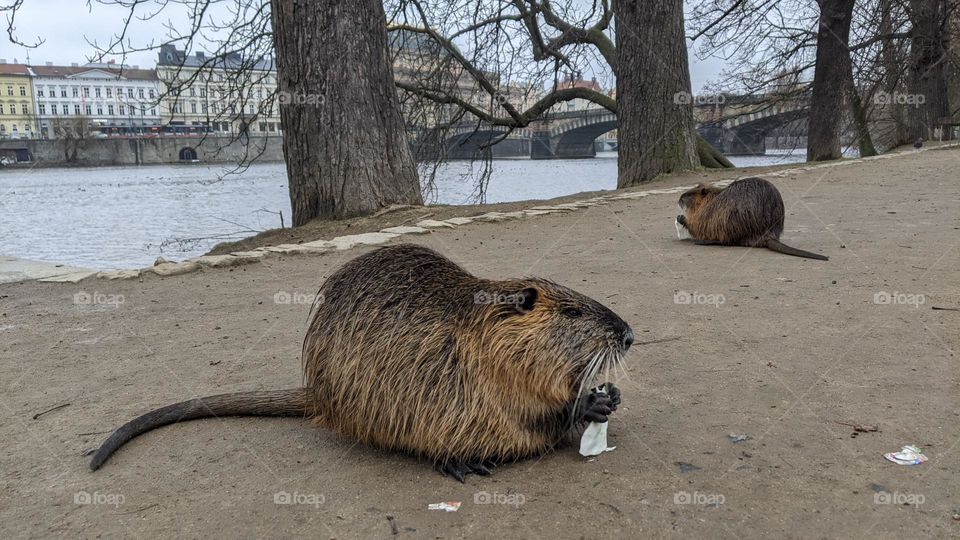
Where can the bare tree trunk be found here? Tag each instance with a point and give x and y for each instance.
(654, 110)
(829, 80)
(892, 69)
(859, 113)
(928, 82)
(344, 141)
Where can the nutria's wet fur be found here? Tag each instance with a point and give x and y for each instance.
(749, 212)
(405, 350)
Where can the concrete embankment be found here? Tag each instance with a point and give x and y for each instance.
(141, 151)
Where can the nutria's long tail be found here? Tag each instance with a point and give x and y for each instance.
(778, 246)
(292, 402)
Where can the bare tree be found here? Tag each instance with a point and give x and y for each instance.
(72, 133)
(503, 45)
(346, 149)
(830, 79)
(343, 137)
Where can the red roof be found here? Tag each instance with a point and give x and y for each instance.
(13, 69)
(66, 71)
(581, 83)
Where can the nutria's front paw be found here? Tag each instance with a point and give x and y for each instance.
(614, 394)
(682, 219)
(601, 402)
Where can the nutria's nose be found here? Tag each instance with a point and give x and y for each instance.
(627, 340)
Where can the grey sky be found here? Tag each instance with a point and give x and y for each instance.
(64, 25)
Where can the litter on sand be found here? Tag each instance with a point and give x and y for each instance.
(908, 455)
(445, 506)
(738, 437)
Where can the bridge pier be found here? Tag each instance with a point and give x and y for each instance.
(751, 143)
(541, 146)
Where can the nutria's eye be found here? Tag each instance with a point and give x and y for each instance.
(573, 313)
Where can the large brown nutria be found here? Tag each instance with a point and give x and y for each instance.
(749, 212)
(407, 351)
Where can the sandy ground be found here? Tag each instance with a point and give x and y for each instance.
(795, 348)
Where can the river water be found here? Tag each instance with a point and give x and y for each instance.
(125, 217)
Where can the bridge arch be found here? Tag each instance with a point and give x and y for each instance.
(474, 144)
(578, 142)
(188, 154)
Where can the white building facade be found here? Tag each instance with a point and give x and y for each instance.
(105, 99)
(222, 94)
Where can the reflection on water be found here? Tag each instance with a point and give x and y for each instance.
(124, 217)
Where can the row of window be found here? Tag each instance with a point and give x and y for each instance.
(13, 129)
(217, 92)
(120, 110)
(97, 92)
(12, 107)
(203, 108)
(23, 90)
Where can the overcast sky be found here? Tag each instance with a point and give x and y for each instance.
(67, 25)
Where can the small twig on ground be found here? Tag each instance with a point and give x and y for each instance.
(39, 414)
(149, 506)
(859, 428)
(393, 208)
(393, 525)
(938, 308)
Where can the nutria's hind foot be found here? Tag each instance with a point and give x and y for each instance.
(460, 469)
(601, 403)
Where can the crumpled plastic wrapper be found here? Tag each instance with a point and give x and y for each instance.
(682, 232)
(594, 439)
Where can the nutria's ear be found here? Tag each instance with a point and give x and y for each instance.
(527, 299)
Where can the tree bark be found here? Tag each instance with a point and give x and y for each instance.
(928, 81)
(830, 74)
(892, 62)
(654, 109)
(344, 141)
(859, 113)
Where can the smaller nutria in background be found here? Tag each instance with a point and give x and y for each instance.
(749, 212)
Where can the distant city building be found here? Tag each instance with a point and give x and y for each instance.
(98, 98)
(577, 104)
(17, 119)
(222, 94)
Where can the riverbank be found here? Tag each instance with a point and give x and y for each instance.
(127, 216)
(796, 353)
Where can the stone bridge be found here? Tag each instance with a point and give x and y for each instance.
(732, 124)
(739, 125)
(556, 136)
